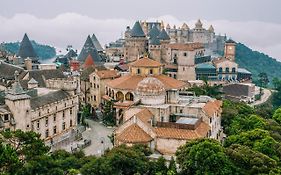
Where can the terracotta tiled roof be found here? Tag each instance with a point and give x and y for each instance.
(104, 74)
(134, 134)
(183, 134)
(145, 62)
(186, 47)
(212, 106)
(144, 115)
(130, 82)
(89, 61)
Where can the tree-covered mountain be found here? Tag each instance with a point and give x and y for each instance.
(257, 62)
(43, 51)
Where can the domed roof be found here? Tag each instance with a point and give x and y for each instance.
(185, 26)
(150, 86)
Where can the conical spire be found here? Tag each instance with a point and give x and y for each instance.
(154, 32)
(16, 92)
(87, 49)
(163, 35)
(154, 41)
(26, 49)
(198, 24)
(96, 43)
(168, 26)
(89, 62)
(211, 28)
(137, 30)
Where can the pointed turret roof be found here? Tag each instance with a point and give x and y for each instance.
(70, 54)
(26, 49)
(96, 43)
(89, 62)
(137, 30)
(185, 26)
(168, 26)
(163, 35)
(154, 32)
(87, 49)
(230, 41)
(154, 41)
(198, 24)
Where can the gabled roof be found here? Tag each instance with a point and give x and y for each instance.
(104, 74)
(7, 71)
(137, 30)
(163, 35)
(134, 134)
(211, 107)
(230, 41)
(154, 32)
(70, 54)
(89, 61)
(26, 49)
(145, 62)
(86, 72)
(96, 43)
(130, 82)
(87, 49)
(51, 97)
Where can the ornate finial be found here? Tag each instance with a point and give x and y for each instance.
(16, 76)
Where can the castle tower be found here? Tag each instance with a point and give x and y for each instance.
(229, 49)
(155, 49)
(19, 104)
(164, 41)
(26, 49)
(87, 49)
(145, 27)
(28, 63)
(136, 44)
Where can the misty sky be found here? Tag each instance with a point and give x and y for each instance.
(256, 23)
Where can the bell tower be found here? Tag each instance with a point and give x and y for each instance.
(229, 49)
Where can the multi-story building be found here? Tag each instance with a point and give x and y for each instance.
(50, 110)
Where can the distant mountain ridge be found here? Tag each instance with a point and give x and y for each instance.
(43, 51)
(257, 62)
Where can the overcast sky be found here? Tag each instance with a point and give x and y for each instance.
(256, 23)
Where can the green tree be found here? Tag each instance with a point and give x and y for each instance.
(263, 79)
(205, 156)
(172, 165)
(249, 161)
(158, 167)
(277, 115)
(108, 114)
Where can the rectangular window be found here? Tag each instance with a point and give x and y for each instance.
(70, 123)
(46, 121)
(63, 115)
(70, 111)
(55, 129)
(47, 133)
(38, 124)
(63, 126)
(55, 117)
(95, 98)
(6, 117)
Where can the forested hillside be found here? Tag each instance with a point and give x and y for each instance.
(257, 62)
(43, 51)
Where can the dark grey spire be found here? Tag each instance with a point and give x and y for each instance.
(26, 49)
(89, 49)
(154, 41)
(154, 32)
(96, 43)
(137, 30)
(163, 35)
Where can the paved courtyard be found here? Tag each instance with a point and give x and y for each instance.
(98, 134)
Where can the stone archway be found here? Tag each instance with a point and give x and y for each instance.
(119, 96)
(129, 96)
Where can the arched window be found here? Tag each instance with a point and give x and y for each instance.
(150, 71)
(129, 96)
(233, 69)
(138, 71)
(227, 70)
(119, 96)
(220, 70)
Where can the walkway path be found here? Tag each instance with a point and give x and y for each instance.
(264, 97)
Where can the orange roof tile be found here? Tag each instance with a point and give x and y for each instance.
(89, 61)
(145, 62)
(130, 82)
(183, 134)
(104, 74)
(134, 134)
(186, 47)
(212, 106)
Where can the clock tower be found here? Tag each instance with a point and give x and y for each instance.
(229, 50)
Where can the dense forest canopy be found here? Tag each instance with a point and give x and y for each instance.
(257, 62)
(43, 51)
